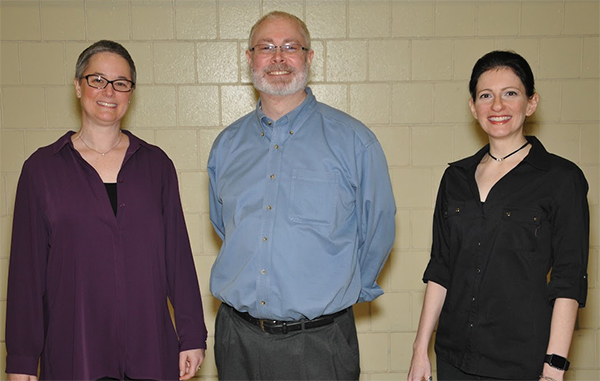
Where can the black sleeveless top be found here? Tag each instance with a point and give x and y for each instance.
(111, 189)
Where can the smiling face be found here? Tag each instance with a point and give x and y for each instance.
(279, 74)
(104, 107)
(501, 104)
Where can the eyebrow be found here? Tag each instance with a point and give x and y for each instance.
(502, 89)
(269, 40)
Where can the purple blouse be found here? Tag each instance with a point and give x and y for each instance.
(88, 290)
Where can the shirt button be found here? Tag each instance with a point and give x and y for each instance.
(269, 123)
(262, 134)
(507, 214)
(265, 239)
(478, 271)
(471, 325)
(276, 146)
(262, 302)
(263, 271)
(121, 205)
(478, 243)
(457, 210)
(291, 132)
(473, 299)
(268, 207)
(272, 177)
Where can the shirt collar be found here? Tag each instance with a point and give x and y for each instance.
(62, 142)
(308, 103)
(65, 140)
(537, 157)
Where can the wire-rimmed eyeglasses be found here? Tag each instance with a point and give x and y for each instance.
(268, 49)
(99, 82)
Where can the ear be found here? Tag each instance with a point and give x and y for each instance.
(77, 87)
(473, 109)
(532, 104)
(309, 57)
(249, 58)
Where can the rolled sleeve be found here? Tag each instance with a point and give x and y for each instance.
(437, 269)
(570, 240)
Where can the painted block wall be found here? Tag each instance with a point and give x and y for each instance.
(400, 66)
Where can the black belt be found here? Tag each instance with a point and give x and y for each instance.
(283, 327)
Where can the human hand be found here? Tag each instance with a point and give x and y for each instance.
(420, 368)
(189, 363)
(551, 374)
(21, 377)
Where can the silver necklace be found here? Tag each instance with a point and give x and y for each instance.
(102, 153)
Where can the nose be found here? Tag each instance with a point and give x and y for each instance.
(109, 89)
(497, 104)
(278, 56)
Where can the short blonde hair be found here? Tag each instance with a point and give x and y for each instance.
(281, 15)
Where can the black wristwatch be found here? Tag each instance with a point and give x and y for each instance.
(557, 362)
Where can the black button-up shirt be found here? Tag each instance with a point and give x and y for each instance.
(494, 259)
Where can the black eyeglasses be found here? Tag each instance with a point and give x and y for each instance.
(99, 82)
(268, 49)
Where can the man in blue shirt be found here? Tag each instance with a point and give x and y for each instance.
(301, 197)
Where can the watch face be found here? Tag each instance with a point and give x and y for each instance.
(558, 361)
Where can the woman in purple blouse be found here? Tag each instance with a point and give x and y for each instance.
(100, 247)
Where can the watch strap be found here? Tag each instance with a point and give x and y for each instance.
(557, 361)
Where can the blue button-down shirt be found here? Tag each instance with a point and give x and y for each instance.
(305, 209)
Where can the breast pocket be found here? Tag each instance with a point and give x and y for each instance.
(313, 197)
(520, 227)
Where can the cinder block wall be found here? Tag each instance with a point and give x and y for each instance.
(400, 66)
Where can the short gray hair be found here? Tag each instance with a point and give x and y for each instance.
(281, 15)
(101, 47)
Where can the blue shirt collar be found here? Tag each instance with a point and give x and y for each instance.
(294, 118)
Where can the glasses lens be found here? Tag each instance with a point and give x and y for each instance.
(290, 48)
(122, 85)
(265, 48)
(96, 81)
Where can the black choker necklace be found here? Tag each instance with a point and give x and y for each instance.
(510, 154)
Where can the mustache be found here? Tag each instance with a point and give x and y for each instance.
(278, 67)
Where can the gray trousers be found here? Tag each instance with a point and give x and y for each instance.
(244, 352)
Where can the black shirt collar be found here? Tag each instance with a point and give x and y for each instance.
(537, 157)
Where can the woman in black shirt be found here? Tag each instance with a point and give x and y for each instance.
(505, 219)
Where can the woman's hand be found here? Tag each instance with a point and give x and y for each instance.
(189, 363)
(420, 367)
(552, 374)
(21, 377)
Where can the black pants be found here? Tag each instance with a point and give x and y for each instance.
(244, 352)
(448, 372)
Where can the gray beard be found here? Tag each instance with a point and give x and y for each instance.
(298, 83)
